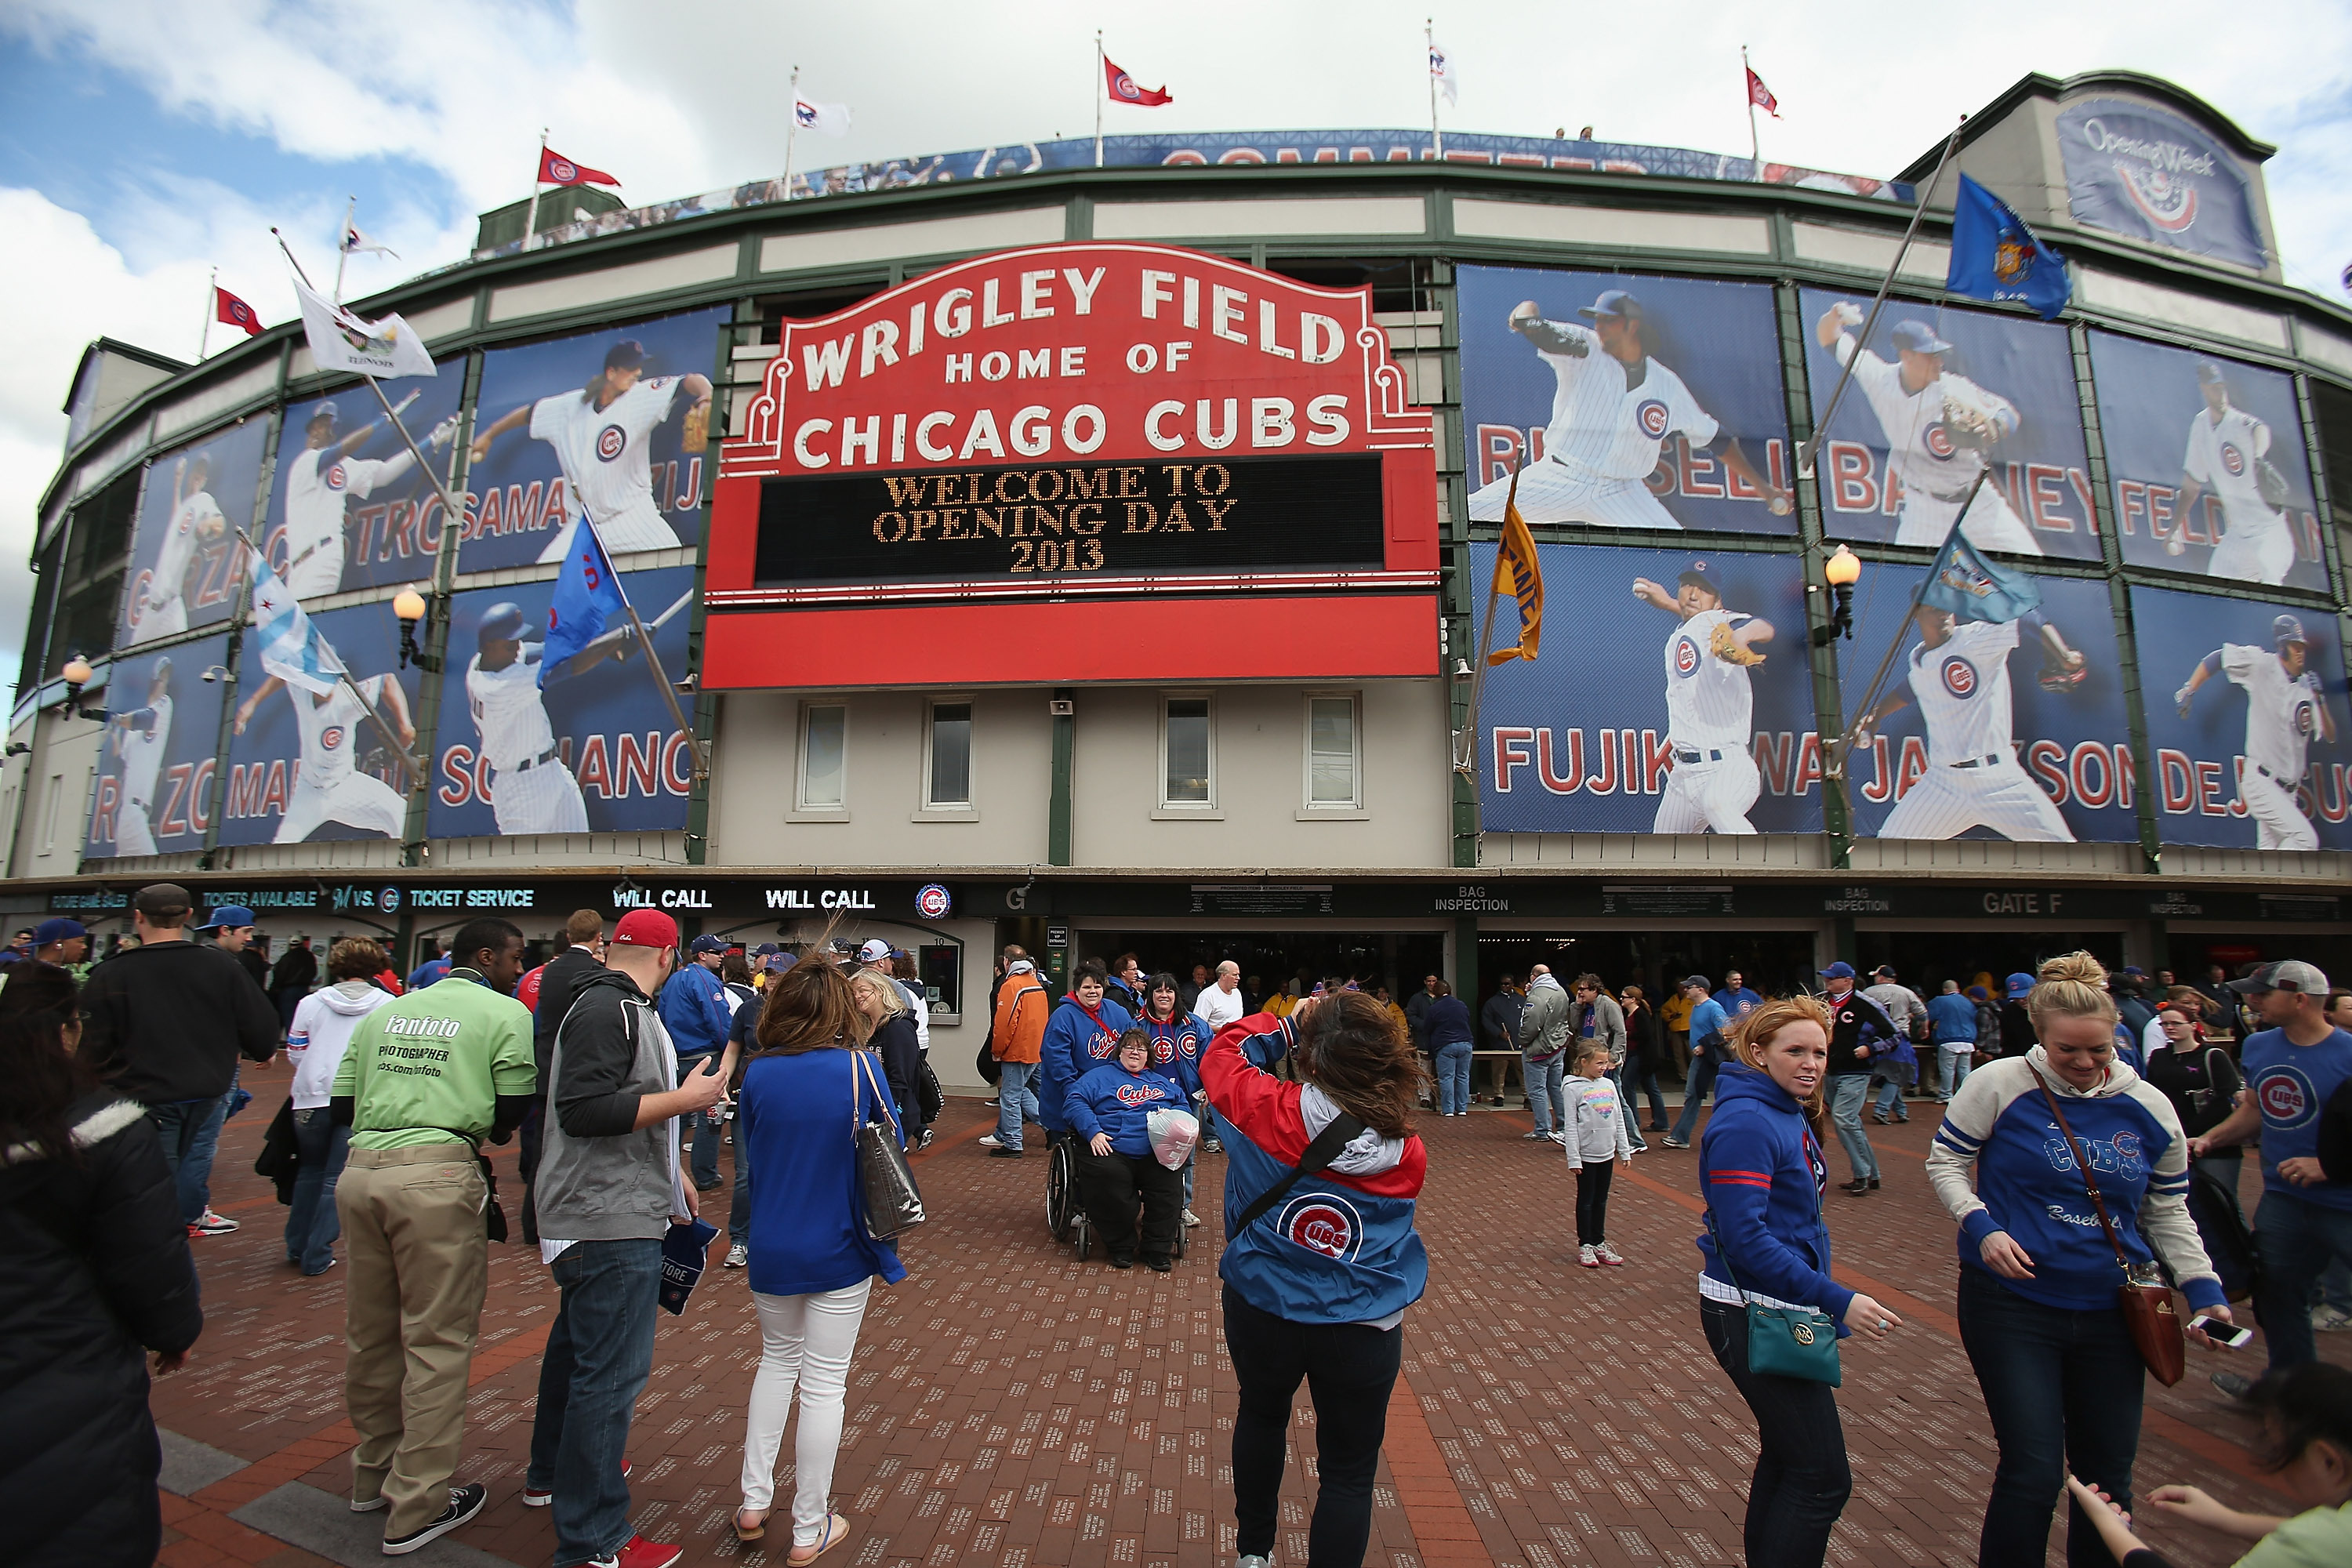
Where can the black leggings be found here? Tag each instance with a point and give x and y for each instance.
(1349, 1370)
(1592, 1180)
(1112, 1184)
(1801, 1478)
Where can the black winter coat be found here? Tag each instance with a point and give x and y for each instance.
(94, 1270)
(902, 1062)
(165, 1022)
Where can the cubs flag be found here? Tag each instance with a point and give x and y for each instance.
(341, 341)
(232, 312)
(555, 169)
(587, 599)
(1518, 575)
(1972, 588)
(1442, 67)
(1996, 257)
(825, 119)
(1761, 96)
(292, 647)
(1124, 89)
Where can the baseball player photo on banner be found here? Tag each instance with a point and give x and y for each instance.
(155, 766)
(616, 421)
(2246, 715)
(1636, 401)
(2208, 467)
(588, 746)
(1939, 396)
(2012, 728)
(305, 767)
(1671, 695)
(348, 508)
(185, 561)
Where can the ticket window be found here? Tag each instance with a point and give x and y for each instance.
(941, 965)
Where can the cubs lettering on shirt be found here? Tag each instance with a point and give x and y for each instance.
(328, 732)
(141, 748)
(1962, 689)
(1608, 418)
(2292, 1084)
(2282, 712)
(1709, 702)
(316, 484)
(605, 457)
(508, 713)
(2222, 456)
(1920, 450)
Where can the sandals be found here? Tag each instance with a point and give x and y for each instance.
(757, 1529)
(836, 1531)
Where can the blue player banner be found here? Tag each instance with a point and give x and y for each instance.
(592, 751)
(2134, 170)
(154, 791)
(1939, 396)
(2206, 459)
(349, 507)
(1989, 729)
(305, 768)
(613, 421)
(186, 561)
(1639, 402)
(2246, 704)
(1672, 695)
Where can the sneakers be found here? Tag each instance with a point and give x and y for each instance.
(1609, 1257)
(464, 1502)
(1212, 1145)
(991, 1140)
(924, 1142)
(1856, 1187)
(213, 1224)
(1675, 1142)
(1000, 1152)
(1191, 1218)
(1588, 1256)
(2232, 1383)
(532, 1497)
(1642, 1147)
(738, 1256)
(2331, 1321)
(640, 1553)
(1538, 1136)
(1159, 1265)
(1252, 1560)
(370, 1506)
(1877, 1115)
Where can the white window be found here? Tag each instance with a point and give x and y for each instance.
(1334, 754)
(49, 813)
(947, 769)
(1188, 754)
(824, 757)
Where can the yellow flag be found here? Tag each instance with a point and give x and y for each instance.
(1518, 575)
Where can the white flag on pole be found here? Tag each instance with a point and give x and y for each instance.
(292, 647)
(1442, 67)
(356, 242)
(341, 341)
(825, 119)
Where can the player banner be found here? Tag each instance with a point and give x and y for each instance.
(1641, 402)
(309, 769)
(185, 561)
(155, 767)
(2206, 459)
(1939, 396)
(2245, 705)
(2014, 730)
(349, 507)
(586, 747)
(614, 421)
(1672, 695)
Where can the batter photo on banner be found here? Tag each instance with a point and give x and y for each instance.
(1638, 401)
(1672, 695)
(350, 508)
(314, 755)
(185, 561)
(586, 745)
(2246, 715)
(616, 421)
(1938, 397)
(2001, 717)
(2208, 467)
(154, 788)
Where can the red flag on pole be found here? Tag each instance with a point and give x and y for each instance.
(1124, 89)
(555, 169)
(1761, 96)
(232, 312)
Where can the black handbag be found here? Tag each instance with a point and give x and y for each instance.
(893, 1205)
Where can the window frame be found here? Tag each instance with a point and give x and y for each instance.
(1309, 808)
(802, 810)
(1164, 808)
(967, 809)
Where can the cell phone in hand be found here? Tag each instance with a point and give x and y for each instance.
(2229, 1336)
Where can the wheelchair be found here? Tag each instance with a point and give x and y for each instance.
(1066, 1210)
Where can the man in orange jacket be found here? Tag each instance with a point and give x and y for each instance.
(1015, 1041)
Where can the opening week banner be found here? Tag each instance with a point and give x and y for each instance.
(155, 766)
(185, 561)
(349, 507)
(1628, 690)
(308, 770)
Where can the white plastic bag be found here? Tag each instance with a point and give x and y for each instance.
(1173, 1134)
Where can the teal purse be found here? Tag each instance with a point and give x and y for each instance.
(1784, 1341)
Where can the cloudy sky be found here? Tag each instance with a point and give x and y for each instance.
(149, 141)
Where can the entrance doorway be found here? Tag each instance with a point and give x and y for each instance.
(1773, 963)
(1925, 960)
(1267, 959)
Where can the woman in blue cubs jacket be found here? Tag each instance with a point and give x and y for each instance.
(1081, 1034)
(1111, 1109)
(1763, 1173)
(1178, 1039)
(2038, 1312)
(1317, 1285)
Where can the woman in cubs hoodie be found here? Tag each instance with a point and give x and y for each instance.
(1316, 1287)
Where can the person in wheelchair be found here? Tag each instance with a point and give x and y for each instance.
(1110, 1110)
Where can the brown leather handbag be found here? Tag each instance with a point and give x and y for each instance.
(2144, 1299)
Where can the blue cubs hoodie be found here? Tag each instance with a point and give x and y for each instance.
(1076, 1042)
(1176, 1048)
(1109, 1099)
(1762, 1171)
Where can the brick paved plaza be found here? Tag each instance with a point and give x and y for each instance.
(1012, 1407)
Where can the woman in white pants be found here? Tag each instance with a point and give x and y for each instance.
(808, 1084)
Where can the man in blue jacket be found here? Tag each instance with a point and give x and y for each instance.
(1952, 1025)
(1710, 1032)
(694, 1008)
(1082, 1034)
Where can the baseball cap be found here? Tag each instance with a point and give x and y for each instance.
(875, 950)
(1920, 338)
(646, 928)
(707, 944)
(499, 622)
(2287, 628)
(58, 928)
(227, 916)
(2288, 975)
(626, 354)
(764, 949)
(2020, 986)
(2209, 374)
(1698, 574)
(1883, 972)
(1698, 980)
(1841, 970)
(1614, 302)
(1020, 966)
(158, 900)
(777, 963)
(326, 411)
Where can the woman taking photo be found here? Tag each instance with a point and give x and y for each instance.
(324, 1022)
(1317, 1280)
(1762, 1173)
(93, 1264)
(808, 1085)
(2039, 1311)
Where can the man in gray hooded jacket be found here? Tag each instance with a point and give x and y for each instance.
(1543, 1048)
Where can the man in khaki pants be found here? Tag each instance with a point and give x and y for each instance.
(425, 1080)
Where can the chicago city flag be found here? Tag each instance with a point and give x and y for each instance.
(1972, 588)
(292, 647)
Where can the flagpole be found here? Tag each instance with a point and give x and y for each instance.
(344, 245)
(1102, 84)
(1436, 136)
(415, 763)
(792, 129)
(669, 692)
(212, 309)
(531, 214)
(1811, 450)
(1468, 760)
(1748, 88)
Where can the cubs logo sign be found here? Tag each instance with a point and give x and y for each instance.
(331, 738)
(1324, 1222)
(1685, 657)
(1938, 441)
(2232, 460)
(610, 441)
(931, 902)
(1654, 419)
(2285, 1096)
(1959, 678)
(562, 171)
(336, 477)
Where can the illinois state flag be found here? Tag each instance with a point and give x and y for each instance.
(232, 312)
(1123, 89)
(1996, 257)
(555, 169)
(587, 599)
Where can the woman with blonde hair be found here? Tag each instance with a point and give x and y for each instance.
(2045, 1246)
(891, 1033)
(1763, 1174)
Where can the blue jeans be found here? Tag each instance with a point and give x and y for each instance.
(738, 1205)
(190, 1129)
(1952, 1070)
(2296, 1239)
(1454, 1076)
(598, 1355)
(311, 1224)
(1016, 1098)
(1802, 1477)
(1702, 1079)
(703, 1131)
(1625, 1104)
(1632, 1082)
(2063, 1391)
(1888, 1100)
(1547, 1088)
(1846, 1092)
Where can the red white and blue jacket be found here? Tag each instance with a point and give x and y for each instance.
(1340, 1246)
(1111, 1100)
(1176, 1047)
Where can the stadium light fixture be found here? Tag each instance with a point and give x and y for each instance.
(1841, 571)
(409, 605)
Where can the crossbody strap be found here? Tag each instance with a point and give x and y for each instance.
(1336, 1134)
(889, 1111)
(2083, 1165)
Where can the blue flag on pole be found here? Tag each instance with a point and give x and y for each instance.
(1972, 588)
(588, 598)
(1996, 257)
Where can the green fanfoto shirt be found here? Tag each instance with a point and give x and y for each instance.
(429, 1067)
